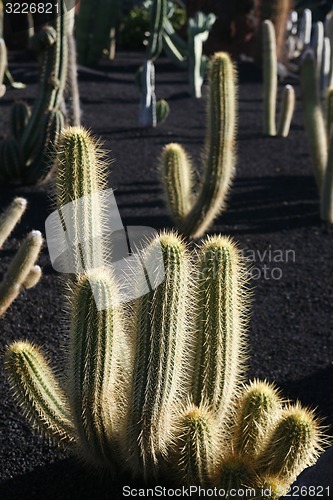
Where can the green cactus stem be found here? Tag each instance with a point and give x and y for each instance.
(19, 269)
(219, 151)
(287, 111)
(269, 76)
(96, 341)
(20, 114)
(178, 179)
(157, 17)
(195, 447)
(162, 111)
(74, 115)
(313, 117)
(162, 335)
(10, 217)
(329, 115)
(326, 198)
(37, 392)
(220, 325)
(293, 445)
(258, 409)
(33, 277)
(81, 174)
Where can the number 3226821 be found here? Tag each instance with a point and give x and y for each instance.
(31, 8)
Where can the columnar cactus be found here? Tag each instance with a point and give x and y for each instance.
(22, 271)
(26, 159)
(140, 392)
(270, 78)
(195, 212)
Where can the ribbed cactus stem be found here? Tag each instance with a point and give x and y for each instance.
(269, 77)
(20, 114)
(81, 174)
(313, 117)
(287, 111)
(95, 343)
(10, 217)
(162, 110)
(38, 392)
(220, 327)
(195, 445)
(258, 408)
(178, 178)
(157, 16)
(236, 473)
(293, 445)
(19, 269)
(159, 348)
(219, 161)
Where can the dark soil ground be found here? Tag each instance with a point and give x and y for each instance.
(273, 205)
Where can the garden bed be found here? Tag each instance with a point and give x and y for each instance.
(273, 212)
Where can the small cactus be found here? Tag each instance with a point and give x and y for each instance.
(287, 111)
(219, 157)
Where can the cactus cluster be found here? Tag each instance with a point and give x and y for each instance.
(154, 387)
(270, 77)
(22, 273)
(192, 211)
(25, 157)
(319, 132)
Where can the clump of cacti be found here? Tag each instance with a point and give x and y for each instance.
(26, 158)
(192, 211)
(22, 273)
(319, 132)
(270, 78)
(155, 387)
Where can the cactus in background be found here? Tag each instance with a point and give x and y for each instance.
(208, 202)
(72, 90)
(22, 271)
(277, 12)
(270, 80)
(189, 54)
(134, 372)
(317, 44)
(93, 24)
(26, 159)
(148, 115)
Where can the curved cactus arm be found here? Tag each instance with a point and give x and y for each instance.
(269, 77)
(258, 408)
(19, 269)
(9, 80)
(33, 277)
(313, 117)
(159, 362)
(198, 32)
(294, 444)
(96, 343)
(38, 392)
(219, 158)
(195, 448)
(177, 177)
(172, 51)
(147, 113)
(287, 111)
(10, 217)
(220, 342)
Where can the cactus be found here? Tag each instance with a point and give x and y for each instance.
(26, 158)
(270, 79)
(277, 12)
(133, 372)
(22, 271)
(92, 28)
(208, 202)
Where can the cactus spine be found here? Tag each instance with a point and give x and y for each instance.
(160, 343)
(219, 156)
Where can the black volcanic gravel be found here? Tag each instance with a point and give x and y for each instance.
(273, 206)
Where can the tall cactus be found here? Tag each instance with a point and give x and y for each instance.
(140, 391)
(22, 272)
(219, 158)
